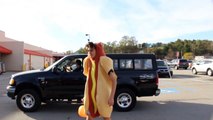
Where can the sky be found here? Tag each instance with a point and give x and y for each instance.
(61, 25)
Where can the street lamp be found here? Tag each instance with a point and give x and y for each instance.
(88, 37)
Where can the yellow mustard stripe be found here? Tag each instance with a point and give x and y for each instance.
(93, 86)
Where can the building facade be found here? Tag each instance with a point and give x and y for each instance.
(20, 56)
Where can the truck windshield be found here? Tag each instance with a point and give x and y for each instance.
(55, 63)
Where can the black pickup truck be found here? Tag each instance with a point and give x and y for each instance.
(137, 76)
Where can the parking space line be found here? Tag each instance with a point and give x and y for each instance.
(169, 90)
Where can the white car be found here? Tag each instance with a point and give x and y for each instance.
(203, 66)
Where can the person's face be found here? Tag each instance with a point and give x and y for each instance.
(91, 52)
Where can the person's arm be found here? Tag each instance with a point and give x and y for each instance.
(107, 64)
(113, 78)
(86, 63)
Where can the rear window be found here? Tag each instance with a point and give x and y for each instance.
(133, 63)
(126, 64)
(143, 64)
(115, 64)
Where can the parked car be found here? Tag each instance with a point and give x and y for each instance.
(179, 63)
(137, 77)
(203, 66)
(164, 69)
(168, 62)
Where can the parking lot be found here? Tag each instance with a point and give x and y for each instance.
(183, 97)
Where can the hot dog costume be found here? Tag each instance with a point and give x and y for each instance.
(98, 85)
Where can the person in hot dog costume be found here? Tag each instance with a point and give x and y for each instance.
(101, 83)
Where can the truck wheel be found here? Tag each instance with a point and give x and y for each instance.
(125, 100)
(209, 72)
(28, 100)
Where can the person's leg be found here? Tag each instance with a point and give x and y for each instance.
(107, 118)
(89, 117)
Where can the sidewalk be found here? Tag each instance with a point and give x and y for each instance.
(4, 81)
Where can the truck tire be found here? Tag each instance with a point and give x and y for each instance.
(125, 100)
(28, 100)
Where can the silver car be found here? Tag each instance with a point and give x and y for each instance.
(203, 66)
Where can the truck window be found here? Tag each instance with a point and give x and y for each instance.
(70, 65)
(115, 64)
(143, 64)
(126, 64)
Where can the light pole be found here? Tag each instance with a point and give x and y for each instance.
(88, 37)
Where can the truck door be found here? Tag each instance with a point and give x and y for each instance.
(50, 84)
(72, 80)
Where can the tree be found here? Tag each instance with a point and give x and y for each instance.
(81, 51)
(145, 47)
(111, 47)
(158, 52)
(128, 45)
(171, 54)
(68, 52)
